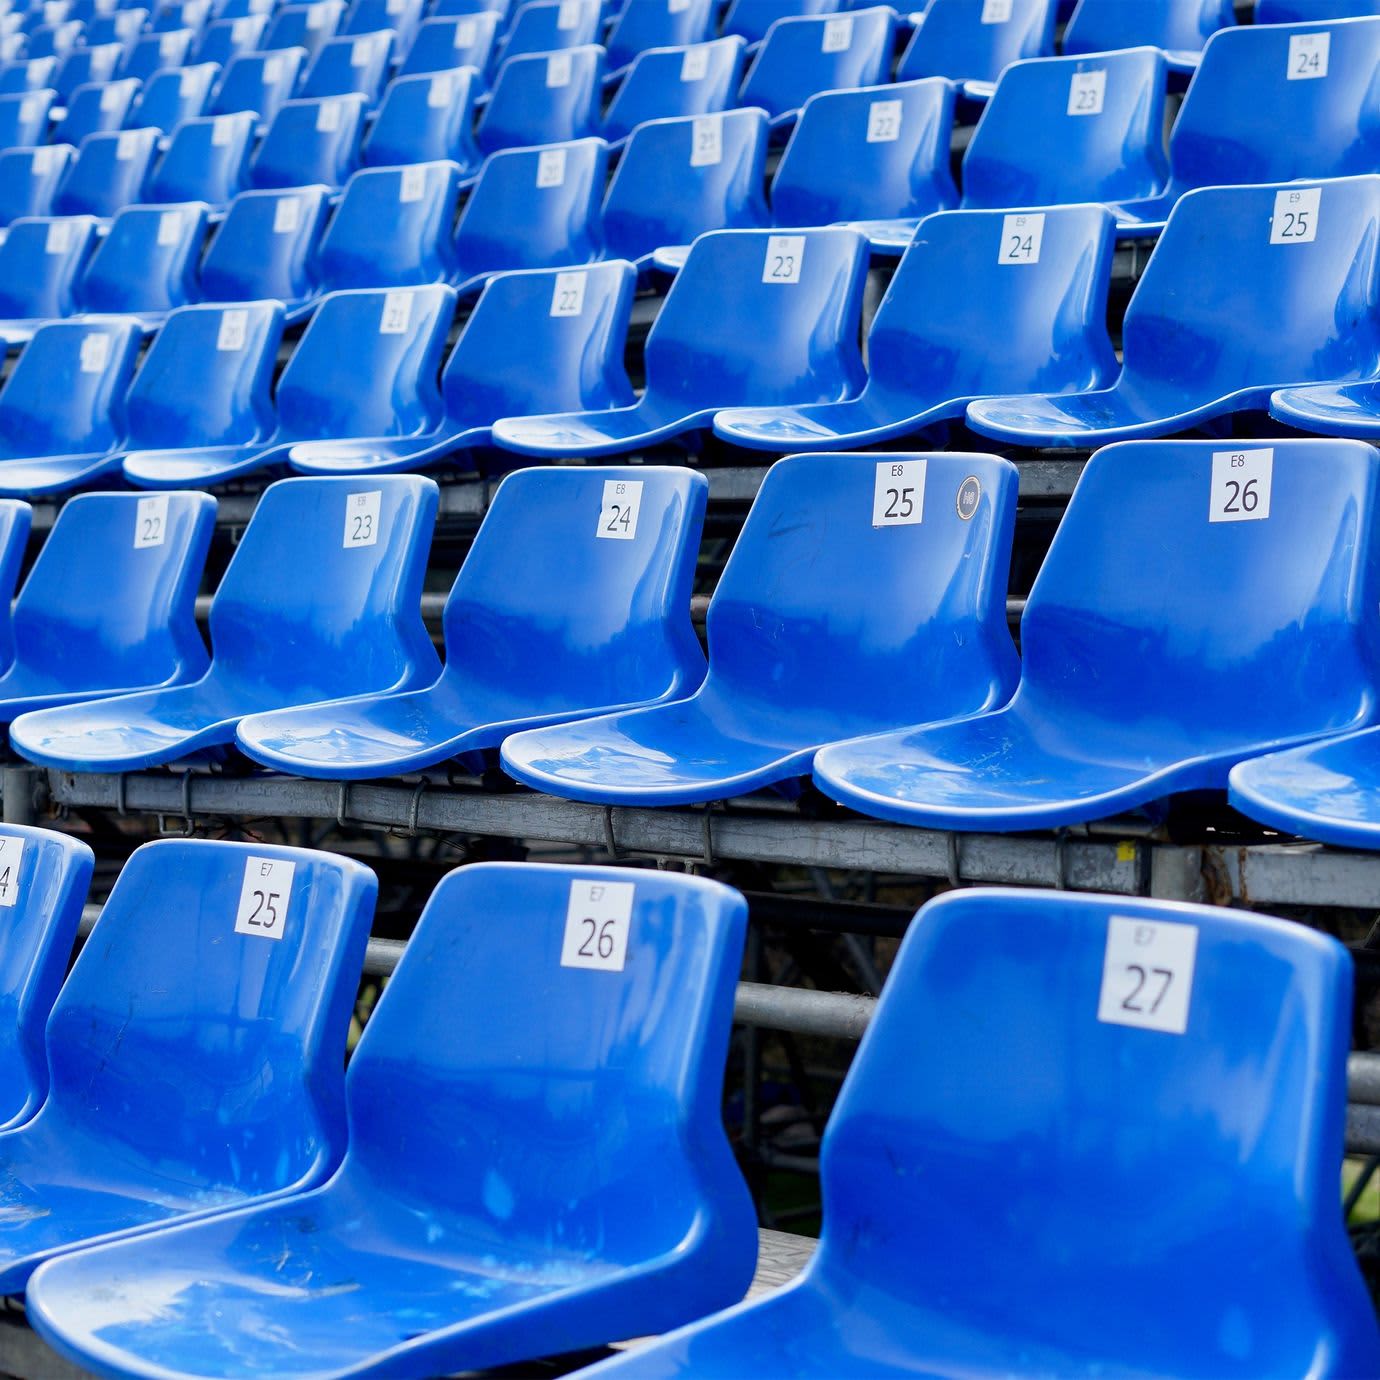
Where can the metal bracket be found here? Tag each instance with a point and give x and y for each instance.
(1061, 859)
(955, 872)
(610, 842)
(188, 827)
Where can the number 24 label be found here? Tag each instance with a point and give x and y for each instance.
(596, 925)
(11, 855)
(264, 897)
(618, 512)
(1147, 974)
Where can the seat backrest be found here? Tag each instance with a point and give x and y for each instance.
(370, 16)
(24, 118)
(27, 74)
(513, 1144)
(1316, 80)
(349, 618)
(157, 52)
(305, 26)
(259, 81)
(975, 40)
(759, 319)
(121, 26)
(1180, 26)
(205, 160)
(65, 395)
(30, 179)
(16, 519)
(314, 140)
(425, 118)
(1112, 634)
(147, 261)
(699, 79)
(752, 19)
(1312, 11)
(40, 260)
(820, 53)
(55, 40)
(678, 178)
(168, 98)
(354, 64)
(544, 98)
(454, 41)
(263, 247)
(869, 154)
(83, 65)
(540, 341)
(181, 14)
(227, 39)
(98, 107)
(543, 26)
(206, 378)
(111, 600)
(1254, 288)
(662, 24)
(1220, 1074)
(44, 877)
(447, 8)
(108, 173)
(392, 228)
(534, 208)
(202, 1028)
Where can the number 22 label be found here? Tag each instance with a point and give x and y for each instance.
(596, 925)
(264, 897)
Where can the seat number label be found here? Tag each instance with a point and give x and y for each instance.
(996, 11)
(1295, 219)
(838, 35)
(397, 312)
(287, 215)
(785, 255)
(707, 141)
(466, 31)
(362, 518)
(558, 67)
(234, 325)
(95, 352)
(883, 122)
(551, 168)
(11, 855)
(898, 493)
(694, 64)
(597, 920)
(150, 521)
(1020, 238)
(412, 183)
(264, 897)
(1087, 91)
(618, 512)
(1241, 485)
(568, 294)
(1147, 974)
(1308, 54)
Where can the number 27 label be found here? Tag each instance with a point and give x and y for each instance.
(1147, 974)
(264, 897)
(596, 925)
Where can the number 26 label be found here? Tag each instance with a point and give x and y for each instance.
(1147, 974)
(1241, 482)
(264, 897)
(596, 925)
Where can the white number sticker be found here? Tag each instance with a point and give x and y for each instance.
(438, 93)
(1295, 219)
(102, 62)
(316, 17)
(558, 66)
(785, 255)
(169, 228)
(234, 326)
(241, 31)
(551, 168)
(188, 85)
(273, 68)
(28, 108)
(412, 183)
(1020, 238)
(1087, 91)
(1308, 54)
(996, 11)
(838, 35)
(898, 493)
(1241, 482)
(707, 141)
(41, 160)
(568, 14)
(694, 63)
(397, 313)
(287, 215)
(362, 518)
(568, 296)
(59, 237)
(1147, 974)
(328, 117)
(883, 122)
(11, 856)
(618, 512)
(126, 145)
(221, 129)
(466, 31)
(169, 45)
(150, 521)
(597, 920)
(95, 352)
(361, 52)
(264, 897)
(677, 6)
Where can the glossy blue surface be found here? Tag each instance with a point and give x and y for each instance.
(103, 106)
(261, 250)
(424, 119)
(309, 142)
(1311, 11)
(193, 1068)
(166, 49)
(224, 40)
(1135, 684)
(108, 173)
(543, 26)
(930, 343)
(16, 519)
(25, 75)
(86, 64)
(639, 27)
(352, 65)
(1180, 27)
(916, 613)
(348, 377)
(450, 42)
(146, 265)
(30, 179)
(304, 26)
(514, 356)
(728, 336)
(168, 98)
(952, 40)
(1129, 1159)
(370, 16)
(346, 622)
(549, 619)
(514, 220)
(663, 83)
(544, 98)
(258, 81)
(39, 268)
(753, 18)
(205, 161)
(570, 1183)
(24, 118)
(1222, 316)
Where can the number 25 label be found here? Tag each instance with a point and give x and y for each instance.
(1241, 485)
(1295, 220)
(898, 493)
(596, 925)
(1147, 974)
(264, 897)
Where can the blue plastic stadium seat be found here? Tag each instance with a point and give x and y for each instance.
(373, 16)
(543, 26)
(840, 612)
(532, 208)
(117, 26)
(84, 65)
(442, 45)
(108, 173)
(661, 24)
(544, 98)
(504, 9)
(305, 26)
(263, 248)
(1117, 706)
(1249, 289)
(146, 265)
(700, 79)
(353, 65)
(537, 341)
(40, 262)
(206, 160)
(753, 319)
(1312, 11)
(366, 365)
(423, 119)
(515, 1219)
(27, 74)
(54, 40)
(168, 98)
(30, 179)
(818, 53)
(681, 177)
(310, 141)
(1208, 1093)
(529, 635)
(98, 108)
(258, 81)
(179, 14)
(346, 621)
(752, 19)
(15, 522)
(195, 1062)
(226, 39)
(157, 52)
(24, 118)
(929, 347)
(1179, 27)
(974, 41)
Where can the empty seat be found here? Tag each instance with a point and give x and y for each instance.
(226, 39)
(118, 26)
(205, 161)
(1311, 11)
(930, 345)
(54, 40)
(701, 79)
(24, 118)
(1224, 1068)
(514, 1219)
(366, 365)
(423, 119)
(108, 173)
(974, 41)
(1179, 27)
(40, 262)
(168, 98)
(16, 520)
(668, 24)
(195, 1062)
(310, 141)
(100, 108)
(839, 612)
(156, 52)
(355, 65)
(83, 65)
(1117, 706)
(30, 179)
(1249, 288)
(532, 208)
(442, 45)
(346, 622)
(174, 15)
(543, 98)
(753, 319)
(27, 74)
(752, 19)
(257, 81)
(146, 265)
(372, 16)
(305, 26)
(263, 248)
(528, 633)
(543, 26)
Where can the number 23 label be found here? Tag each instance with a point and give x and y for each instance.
(264, 897)
(362, 518)
(1147, 974)
(596, 925)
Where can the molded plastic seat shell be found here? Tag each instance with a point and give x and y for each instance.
(974, 43)
(168, 98)
(263, 248)
(753, 18)
(41, 259)
(698, 79)
(424, 119)
(310, 142)
(543, 98)
(30, 180)
(545, 26)
(640, 27)
(1179, 27)
(259, 81)
(24, 118)
(205, 160)
(450, 42)
(352, 65)
(108, 173)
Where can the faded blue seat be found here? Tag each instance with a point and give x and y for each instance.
(1223, 1106)
(167, 49)
(347, 622)
(24, 118)
(929, 346)
(753, 319)
(27, 74)
(543, 98)
(305, 26)
(310, 141)
(638, 28)
(532, 208)
(752, 19)
(54, 40)
(1118, 707)
(259, 81)
(516, 1218)
(206, 160)
(195, 1062)
(30, 179)
(839, 612)
(1179, 27)
(374, 16)
(544, 26)
(444, 44)
(700, 79)
(365, 366)
(98, 108)
(108, 173)
(974, 41)
(40, 262)
(117, 26)
(264, 246)
(226, 39)
(16, 520)
(423, 119)
(168, 98)
(1312, 11)
(354, 64)
(1249, 289)
(179, 14)
(539, 340)
(83, 65)
(531, 631)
